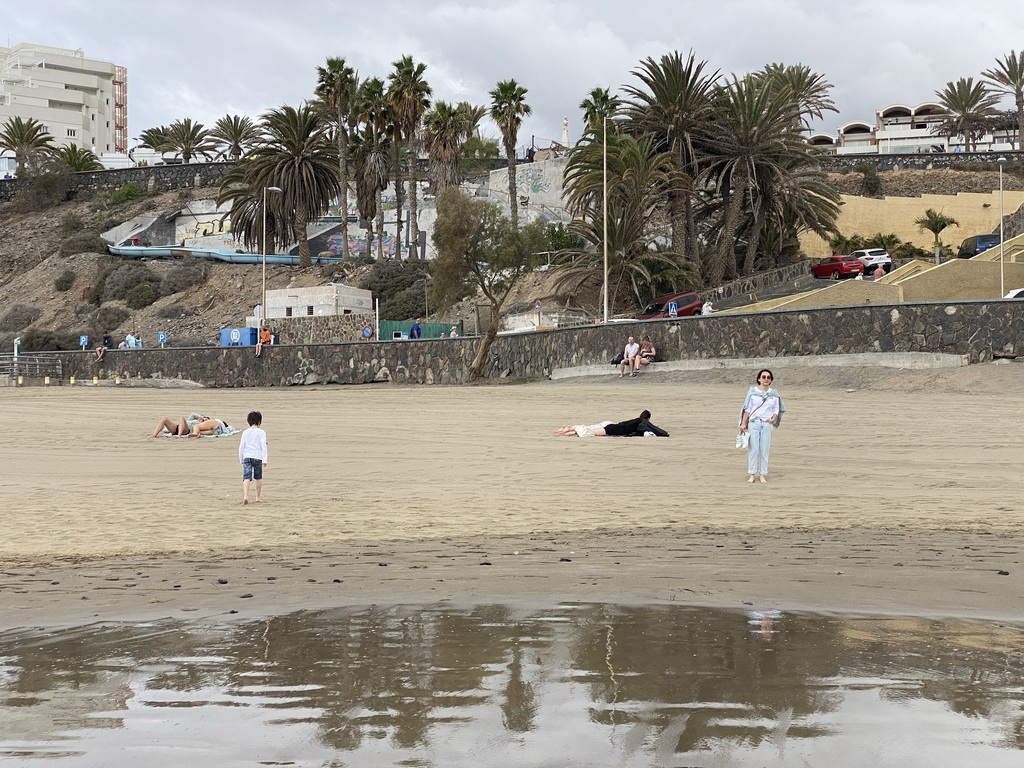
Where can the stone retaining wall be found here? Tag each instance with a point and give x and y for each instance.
(925, 162)
(157, 178)
(977, 329)
(335, 329)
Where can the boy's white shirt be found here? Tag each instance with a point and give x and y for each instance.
(253, 445)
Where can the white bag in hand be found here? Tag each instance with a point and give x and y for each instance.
(743, 440)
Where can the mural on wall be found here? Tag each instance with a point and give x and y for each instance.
(532, 181)
(357, 245)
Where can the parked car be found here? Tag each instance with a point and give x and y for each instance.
(1016, 293)
(976, 244)
(836, 267)
(687, 303)
(872, 258)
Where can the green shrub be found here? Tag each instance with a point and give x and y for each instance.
(141, 295)
(71, 224)
(184, 275)
(19, 316)
(107, 318)
(174, 311)
(65, 280)
(129, 193)
(40, 340)
(83, 242)
(95, 293)
(126, 276)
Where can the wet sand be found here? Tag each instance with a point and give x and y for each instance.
(889, 492)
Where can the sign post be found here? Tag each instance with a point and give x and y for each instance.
(367, 331)
(161, 339)
(673, 309)
(83, 342)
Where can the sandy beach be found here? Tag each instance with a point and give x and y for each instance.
(890, 492)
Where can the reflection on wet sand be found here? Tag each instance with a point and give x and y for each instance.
(575, 685)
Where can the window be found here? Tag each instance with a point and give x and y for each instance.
(309, 310)
(287, 311)
(72, 133)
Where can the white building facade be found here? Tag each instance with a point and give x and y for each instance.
(900, 129)
(81, 102)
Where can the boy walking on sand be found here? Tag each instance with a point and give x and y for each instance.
(252, 452)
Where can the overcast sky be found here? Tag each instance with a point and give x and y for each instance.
(204, 59)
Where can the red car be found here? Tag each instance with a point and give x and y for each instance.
(687, 303)
(836, 267)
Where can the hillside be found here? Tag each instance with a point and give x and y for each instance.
(31, 262)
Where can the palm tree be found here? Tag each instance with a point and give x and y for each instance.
(755, 134)
(808, 91)
(970, 106)
(295, 154)
(79, 159)
(371, 156)
(639, 178)
(474, 114)
(1007, 77)
(409, 95)
(935, 222)
(26, 138)
(446, 130)
(336, 88)
(598, 106)
(508, 108)
(233, 135)
(673, 103)
(190, 139)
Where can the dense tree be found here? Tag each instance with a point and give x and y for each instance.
(79, 159)
(233, 135)
(508, 108)
(477, 245)
(934, 222)
(26, 138)
(296, 155)
(409, 94)
(1007, 77)
(336, 87)
(807, 91)
(970, 106)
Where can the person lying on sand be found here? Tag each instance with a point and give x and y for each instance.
(209, 427)
(181, 428)
(639, 427)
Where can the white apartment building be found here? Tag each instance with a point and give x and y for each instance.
(80, 101)
(900, 129)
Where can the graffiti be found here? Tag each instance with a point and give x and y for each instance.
(357, 245)
(196, 227)
(532, 181)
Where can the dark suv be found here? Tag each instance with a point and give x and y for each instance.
(687, 303)
(972, 246)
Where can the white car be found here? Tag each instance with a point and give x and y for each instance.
(1016, 293)
(872, 258)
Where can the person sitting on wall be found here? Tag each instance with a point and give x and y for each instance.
(648, 352)
(265, 337)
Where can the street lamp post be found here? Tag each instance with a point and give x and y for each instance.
(263, 305)
(604, 238)
(1002, 280)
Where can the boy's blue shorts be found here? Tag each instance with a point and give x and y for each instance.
(252, 469)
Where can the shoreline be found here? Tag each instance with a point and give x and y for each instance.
(947, 574)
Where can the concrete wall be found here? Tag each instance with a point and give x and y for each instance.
(540, 182)
(977, 214)
(961, 279)
(976, 329)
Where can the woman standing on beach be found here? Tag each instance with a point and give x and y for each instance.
(762, 412)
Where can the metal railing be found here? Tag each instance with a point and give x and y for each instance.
(31, 366)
